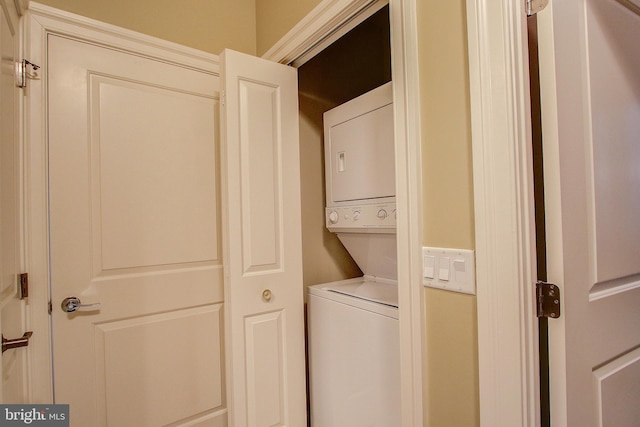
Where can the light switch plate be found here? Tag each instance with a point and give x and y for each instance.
(455, 269)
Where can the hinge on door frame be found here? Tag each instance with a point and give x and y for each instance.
(548, 300)
(22, 72)
(23, 285)
(535, 6)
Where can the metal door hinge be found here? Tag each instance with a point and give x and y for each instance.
(535, 6)
(23, 285)
(548, 300)
(25, 70)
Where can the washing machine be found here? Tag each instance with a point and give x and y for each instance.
(354, 352)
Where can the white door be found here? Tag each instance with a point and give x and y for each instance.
(263, 259)
(590, 82)
(134, 227)
(12, 321)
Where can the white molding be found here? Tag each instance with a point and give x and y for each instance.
(12, 14)
(504, 219)
(21, 6)
(36, 224)
(406, 87)
(38, 22)
(321, 23)
(60, 22)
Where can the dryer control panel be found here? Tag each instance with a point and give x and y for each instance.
(377, 218)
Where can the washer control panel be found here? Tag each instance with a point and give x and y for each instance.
(377, 217)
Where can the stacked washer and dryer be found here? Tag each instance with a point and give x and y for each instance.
(354, 351)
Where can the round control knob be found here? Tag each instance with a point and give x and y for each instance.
(333, 217)
(356, 215)
(382, 214)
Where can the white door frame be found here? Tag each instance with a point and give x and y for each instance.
(504, 213)
(40, 21)
(321, 23)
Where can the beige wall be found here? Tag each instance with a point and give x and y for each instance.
(209, 25)
(451, 333)
(276, 17)
(446, 155)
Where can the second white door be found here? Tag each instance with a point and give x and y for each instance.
(590, 81)
(263, 243)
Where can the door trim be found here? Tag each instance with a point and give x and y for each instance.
(504, 213)
(326, 23)
(40, 21)
(323, 22)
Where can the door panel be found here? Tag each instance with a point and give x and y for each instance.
(140, 387)
(617, 387)
(263, 260)
(126, 134)
(590, 63)
(266, 379)
(135, 226)
(12, 310)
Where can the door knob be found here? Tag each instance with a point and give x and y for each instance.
(72, 304)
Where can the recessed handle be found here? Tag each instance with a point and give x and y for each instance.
(17, 342)
(341, 163)
(73, 304)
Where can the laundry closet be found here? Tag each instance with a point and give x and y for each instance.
(348, 220)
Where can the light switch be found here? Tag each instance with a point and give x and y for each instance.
(443, 270)
(429, 266)
(459, 271)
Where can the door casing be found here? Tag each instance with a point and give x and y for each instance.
(504, 213)
(14, 387)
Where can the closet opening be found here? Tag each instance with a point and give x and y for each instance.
(349, 67)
